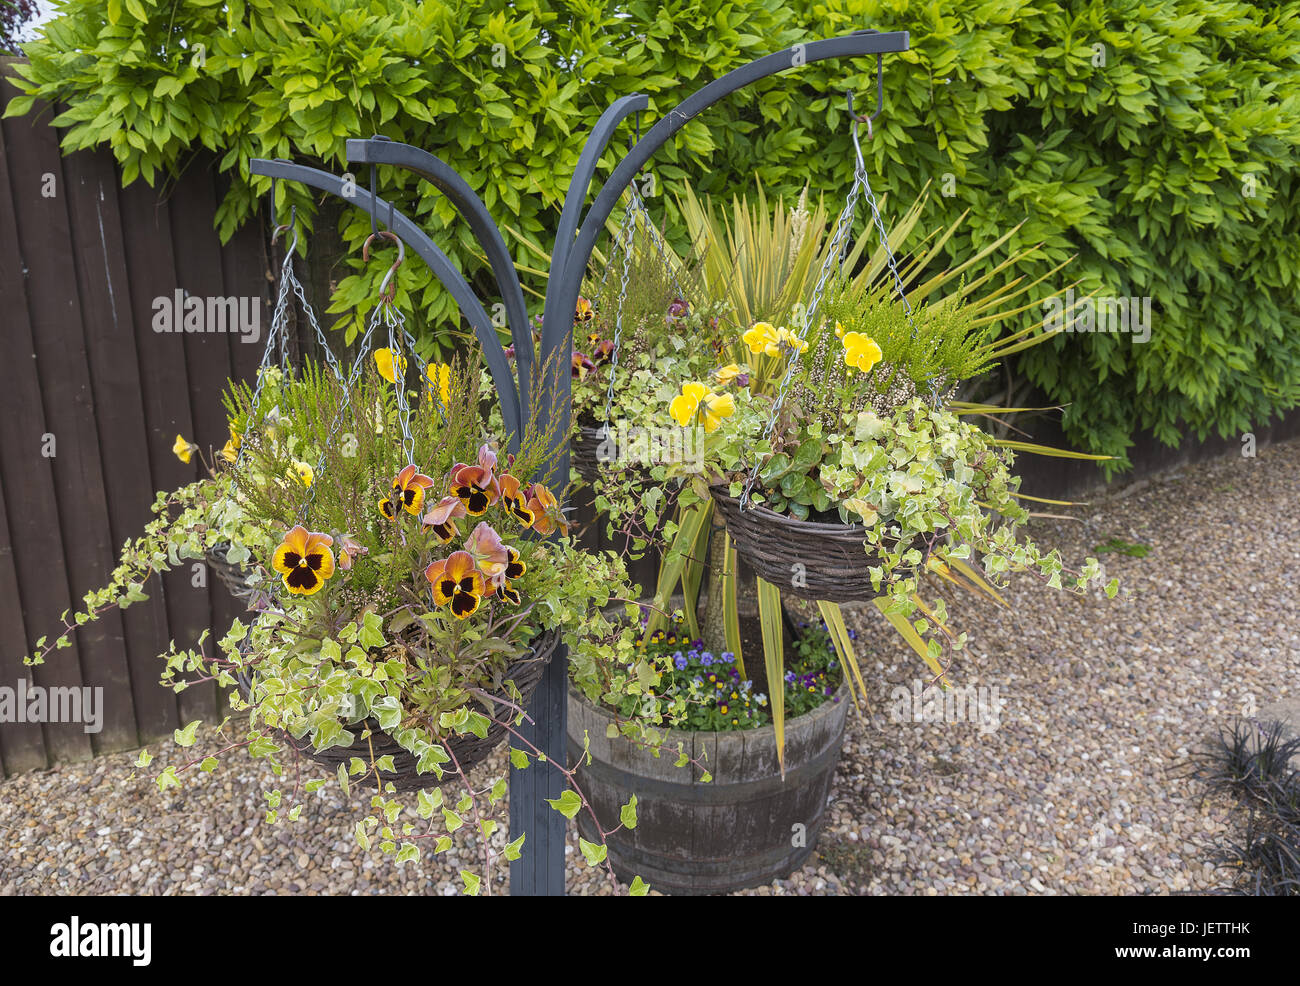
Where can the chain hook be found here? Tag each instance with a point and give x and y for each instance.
(291, 226)
(276, 230)
(880, 101)
(387, 289)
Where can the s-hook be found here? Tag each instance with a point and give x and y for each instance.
(387, 289)
(880, 93)
(293, 219)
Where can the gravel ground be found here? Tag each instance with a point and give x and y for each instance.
(1079, 789)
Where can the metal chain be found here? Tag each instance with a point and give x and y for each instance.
(354, 374)
(429, 382)
(395, 323)
(625, 241)
(936, 399)
(652, 231)
(834, 258)
(275, 340)
(311, 317)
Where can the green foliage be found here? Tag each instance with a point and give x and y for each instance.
(1155, 141)
(939, 342)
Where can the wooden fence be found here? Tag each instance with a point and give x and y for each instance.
(93, 399)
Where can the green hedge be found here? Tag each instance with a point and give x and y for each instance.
(1126, 133)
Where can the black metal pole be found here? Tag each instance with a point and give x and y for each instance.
(544, 873)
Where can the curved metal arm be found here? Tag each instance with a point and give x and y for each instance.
(467, 202)
(566, 282)
(442, 268)
(601, 134)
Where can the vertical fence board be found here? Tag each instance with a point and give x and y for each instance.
(22, 747)
(22, 744)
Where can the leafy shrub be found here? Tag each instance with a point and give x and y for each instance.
(1155, 141)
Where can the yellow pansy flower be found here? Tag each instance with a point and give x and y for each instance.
(860, 351)
(728, 373)
(712, 407)
(440, 377)
(183, 448)
(303, 472)
(384, 363)
(762, 337)
(685, 404)
(839, 331)
(715, 407)
(230, 451)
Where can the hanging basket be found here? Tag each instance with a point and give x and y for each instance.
(232, 575)
(468, 750)
(585, 458)
(582, 453)
(835, 558)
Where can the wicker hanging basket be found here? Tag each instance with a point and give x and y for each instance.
(468, 750)
(585, 458)
(582, 452)
(802, 558)
(232, 575)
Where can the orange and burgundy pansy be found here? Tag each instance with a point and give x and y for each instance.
(500, 585)
(547, 517)
(304, 559)
(457, 583)
(442, 518)
(477, 486)
(408, 490)
(512, 496)
(350, 548)
(485, 547)
(583, 313)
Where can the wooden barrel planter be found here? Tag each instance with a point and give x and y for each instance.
(836, 559)
(739, 830)
(469, 750)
